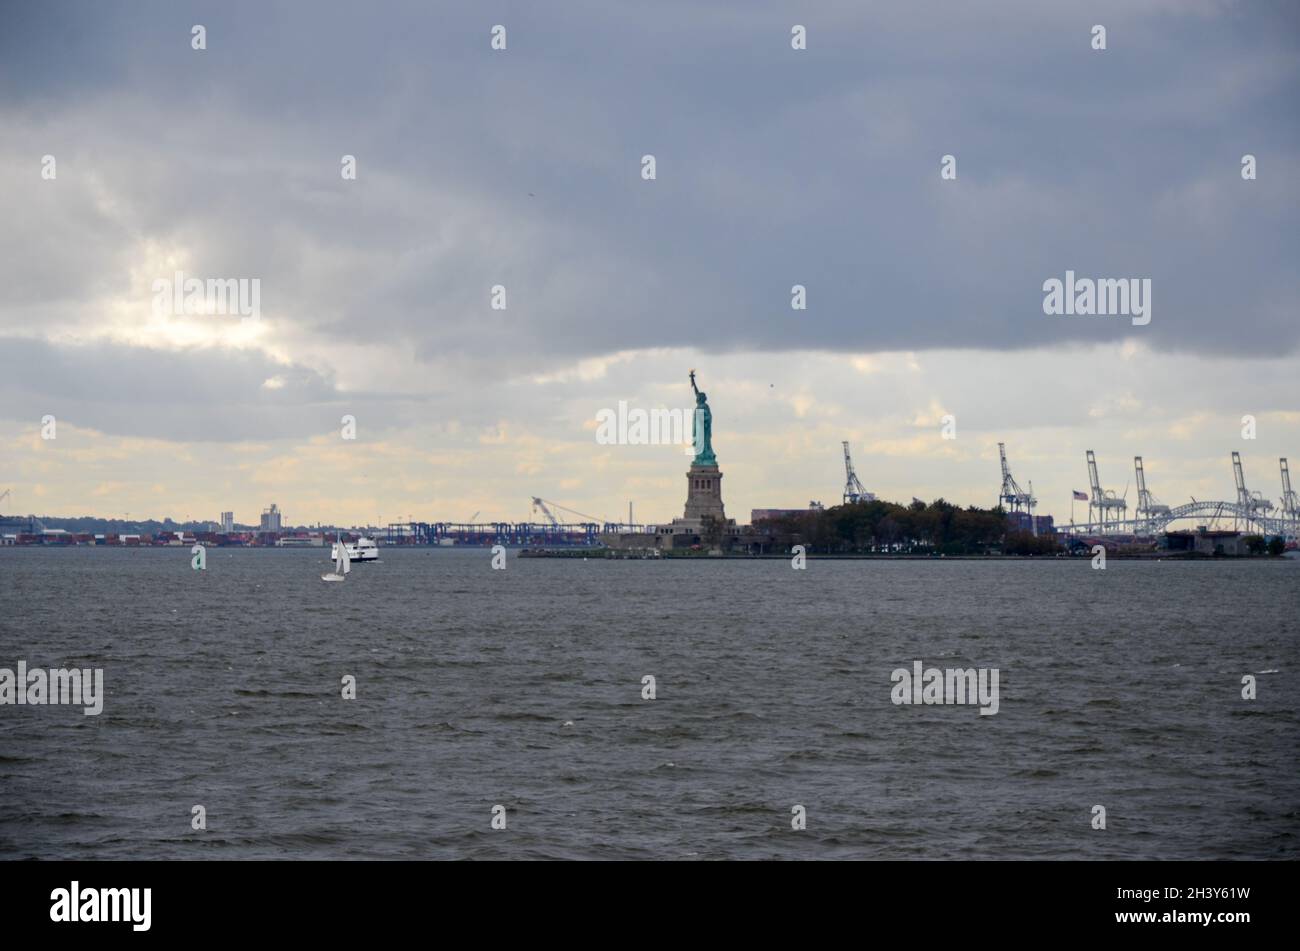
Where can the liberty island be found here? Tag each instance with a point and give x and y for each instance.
(704, 520)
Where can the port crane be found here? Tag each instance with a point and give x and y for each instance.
(545, 505)
(853, 490)
(1109, 508)
(1015, 498)
(540, 504)
(1290, 505)
(1249, 501)
(1151, 518)
(1147, 505)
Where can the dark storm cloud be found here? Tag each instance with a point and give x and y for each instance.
(775, 167)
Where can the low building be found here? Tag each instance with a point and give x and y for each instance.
(1202, 541)
(1033, 524)
(310, 540)
(767, 515)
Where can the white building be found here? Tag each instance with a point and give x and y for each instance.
(271, 519)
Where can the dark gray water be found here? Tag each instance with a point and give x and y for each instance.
(1119, 687)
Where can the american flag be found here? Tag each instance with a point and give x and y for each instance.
(1081, 496)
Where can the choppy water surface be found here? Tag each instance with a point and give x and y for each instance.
(1119, 687)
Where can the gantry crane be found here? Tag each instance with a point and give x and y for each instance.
(853, 490)
(1290, 505)
(1249, 501)
(1108, 507)
(1014, 497)
(1147, 506)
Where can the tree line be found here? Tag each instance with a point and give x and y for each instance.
(938, 527)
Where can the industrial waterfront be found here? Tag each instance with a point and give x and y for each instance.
(1208, 527)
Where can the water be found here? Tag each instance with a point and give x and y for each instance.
(1119, 687)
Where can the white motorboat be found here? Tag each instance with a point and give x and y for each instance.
(363, 549)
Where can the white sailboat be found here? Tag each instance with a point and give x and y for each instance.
(342, 564)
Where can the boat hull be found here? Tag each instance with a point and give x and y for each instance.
(366, 553)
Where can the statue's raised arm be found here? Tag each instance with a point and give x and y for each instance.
(693, 386)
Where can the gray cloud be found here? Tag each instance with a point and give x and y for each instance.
(775, 168)
(194, 395)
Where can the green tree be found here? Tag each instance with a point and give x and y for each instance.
(710, 532)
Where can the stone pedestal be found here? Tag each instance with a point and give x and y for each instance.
(703, 501)
(704, 493)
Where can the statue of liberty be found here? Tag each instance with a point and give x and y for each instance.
(702, 430)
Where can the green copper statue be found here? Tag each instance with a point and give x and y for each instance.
(702, 431)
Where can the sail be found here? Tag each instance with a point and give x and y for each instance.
(345, 563)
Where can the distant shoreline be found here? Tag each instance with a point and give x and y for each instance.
(609, 554)
(614, 554)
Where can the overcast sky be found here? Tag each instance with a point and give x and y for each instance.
(523, 168)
